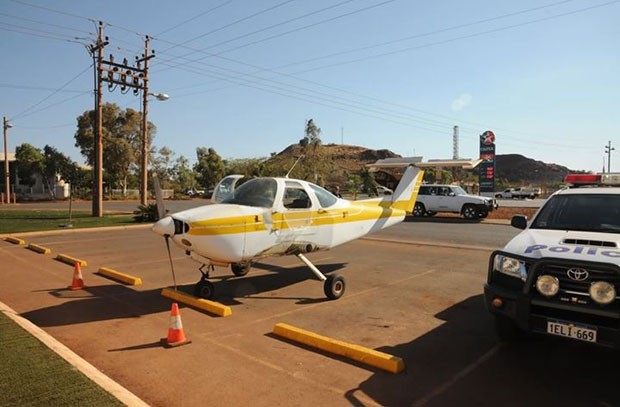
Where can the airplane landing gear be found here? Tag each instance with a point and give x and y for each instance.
(204, 288)
(333, 285)
(240, 269)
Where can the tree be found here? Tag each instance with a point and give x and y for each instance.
(183, 175)
(122, 141)
(313, 166)
(29, 162)
(368, 183)
(162, 166)
(50, 164)
(209, 168)
(312, 135)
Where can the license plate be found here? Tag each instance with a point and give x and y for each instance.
(570, 330)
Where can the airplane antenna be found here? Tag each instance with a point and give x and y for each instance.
(289, 171)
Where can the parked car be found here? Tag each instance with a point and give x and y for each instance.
(518, 193)
(194, 192)
(453, 199)
(561, 275)
(381, 190)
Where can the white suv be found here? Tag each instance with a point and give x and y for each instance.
(454, 199)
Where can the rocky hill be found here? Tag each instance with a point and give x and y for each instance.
(339, 160)
(517, 169)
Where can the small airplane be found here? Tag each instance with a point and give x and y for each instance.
(277, 217)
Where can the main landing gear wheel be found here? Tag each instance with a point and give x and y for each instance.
(240, 269)
(334, 286)
(204, 289)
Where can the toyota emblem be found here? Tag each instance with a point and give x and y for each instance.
(577, 274)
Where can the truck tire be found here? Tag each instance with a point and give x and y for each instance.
(469, 212)
(419, 210)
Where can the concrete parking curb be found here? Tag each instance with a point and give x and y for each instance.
(381, 360)
(90, 371)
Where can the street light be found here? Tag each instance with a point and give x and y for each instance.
(7, 191)
(145, 153)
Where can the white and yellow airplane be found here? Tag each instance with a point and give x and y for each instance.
(280, 216)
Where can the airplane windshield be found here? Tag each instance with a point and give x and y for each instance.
(260, 192)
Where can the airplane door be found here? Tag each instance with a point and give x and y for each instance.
(296, 214)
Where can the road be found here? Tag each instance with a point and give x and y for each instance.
(179, 205)
(419, 301)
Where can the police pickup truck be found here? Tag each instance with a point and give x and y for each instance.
(561, 275)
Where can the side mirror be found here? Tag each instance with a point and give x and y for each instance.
(519, 221)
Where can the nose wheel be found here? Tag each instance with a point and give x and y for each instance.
(204, 288)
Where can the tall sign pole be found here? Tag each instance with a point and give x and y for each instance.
(486, 175)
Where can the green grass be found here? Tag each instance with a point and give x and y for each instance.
(33, 375)
(14, 221)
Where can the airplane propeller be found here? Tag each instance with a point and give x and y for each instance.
(161, 211)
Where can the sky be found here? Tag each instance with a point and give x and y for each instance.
(243, 76)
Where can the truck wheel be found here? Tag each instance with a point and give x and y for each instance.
(507, 330)
(419, 210)
(469, 212)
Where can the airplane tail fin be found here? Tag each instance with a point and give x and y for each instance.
(406, 192)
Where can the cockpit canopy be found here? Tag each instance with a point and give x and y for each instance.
(263, 192)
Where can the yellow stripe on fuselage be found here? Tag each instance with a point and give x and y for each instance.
(356, 212)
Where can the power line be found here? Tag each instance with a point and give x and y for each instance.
(407, 49)
(23, 113)
(195, 17)
(426, 34)
(406, 107)
(231, 24)
(282, 23)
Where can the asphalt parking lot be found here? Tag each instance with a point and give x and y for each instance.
(422, 303)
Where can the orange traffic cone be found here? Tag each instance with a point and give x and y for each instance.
(78, 281)
(176, 336)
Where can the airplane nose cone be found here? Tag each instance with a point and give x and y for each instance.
(164, 227)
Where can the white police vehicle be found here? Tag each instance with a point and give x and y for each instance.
(561, 275)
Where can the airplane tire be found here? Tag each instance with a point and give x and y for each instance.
(204, 289)
(240, 269)
(334, 286)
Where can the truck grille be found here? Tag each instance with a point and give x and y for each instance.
(575, 293)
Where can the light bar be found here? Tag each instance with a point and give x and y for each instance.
(577, 179)
(610, 178)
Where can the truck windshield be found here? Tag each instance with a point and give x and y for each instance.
(585, 212)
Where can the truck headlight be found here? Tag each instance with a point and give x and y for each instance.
(547, 285)
(510, 266)
(602, 292)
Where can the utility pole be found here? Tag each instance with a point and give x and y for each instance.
(145, 144)
(608, 150)
(7, 190)
(96, 51)
(127, 77)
